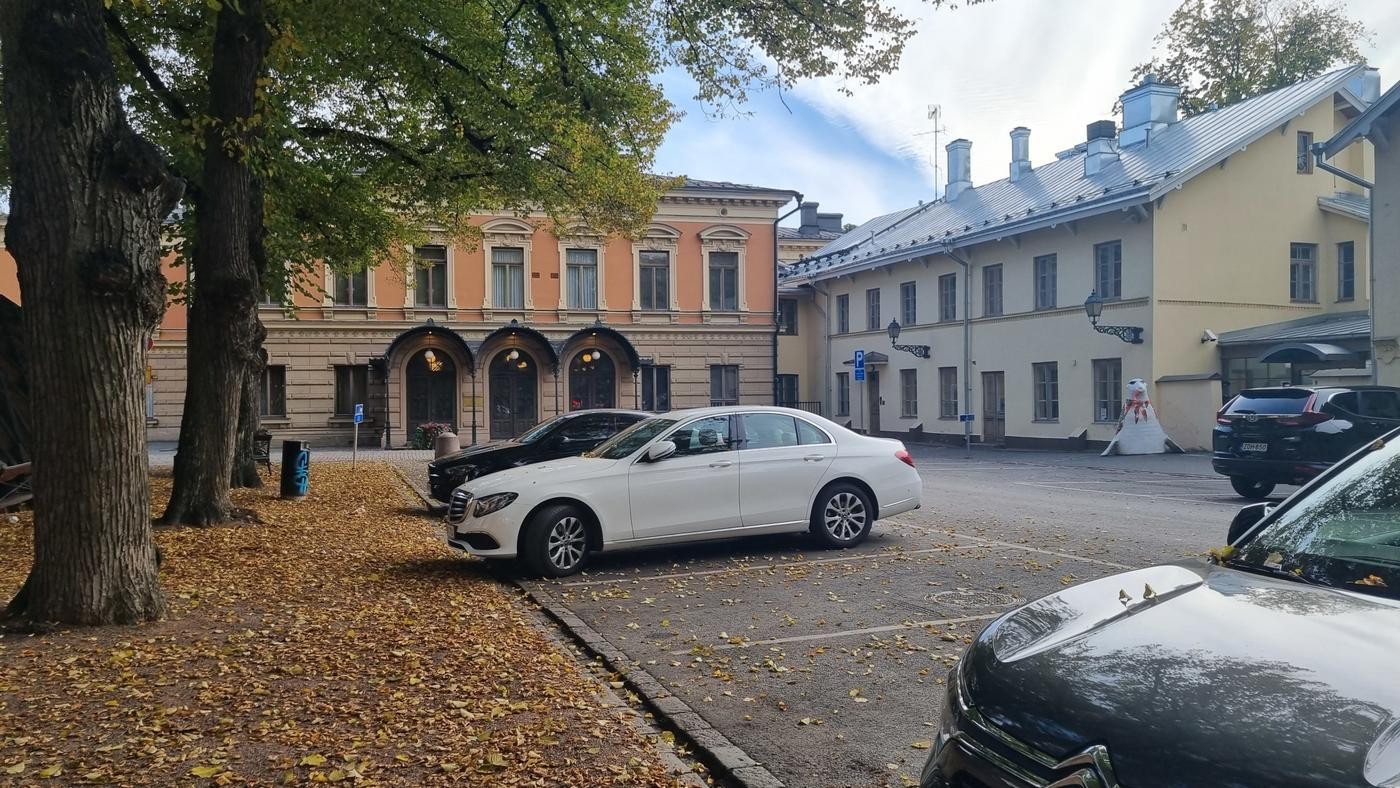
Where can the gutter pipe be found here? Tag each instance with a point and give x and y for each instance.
(1370, 246)
(967, 346)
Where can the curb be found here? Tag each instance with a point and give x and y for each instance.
(725, 759)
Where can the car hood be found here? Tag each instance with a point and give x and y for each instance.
(1224, 678)
(465, 455)
(552, 473)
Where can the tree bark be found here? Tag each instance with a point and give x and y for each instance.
(224, 332)
(87, 202)
(14, 386)
(245, 465)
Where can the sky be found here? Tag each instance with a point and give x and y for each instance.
(1051, 65)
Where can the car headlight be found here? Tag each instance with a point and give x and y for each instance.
(492, 503)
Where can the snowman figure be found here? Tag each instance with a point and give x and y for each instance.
(1139, 432)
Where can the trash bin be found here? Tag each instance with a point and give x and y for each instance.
(445, 443)
(296, 469)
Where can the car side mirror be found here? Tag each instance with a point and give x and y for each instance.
(660, 451)
(1247, 518)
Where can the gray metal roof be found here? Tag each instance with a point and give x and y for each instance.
(1315, 328)
(807, 234)
(727, 186)
(1357, 206)
(1360, 126)
(1059, 191)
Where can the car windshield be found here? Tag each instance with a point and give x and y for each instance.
(540, 430)
(1345, 533)
(631, 439)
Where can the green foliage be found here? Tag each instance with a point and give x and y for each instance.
(425, 435)
(1222, 51)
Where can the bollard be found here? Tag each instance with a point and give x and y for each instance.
(445, 443)
(296, 469)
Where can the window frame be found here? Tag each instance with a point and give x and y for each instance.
(948, 297)
(506, 268)
(1346, 285)
(728, 276)
(270, 391)
(948, 393)
(908, 303)
(843, 313)
(787, 317)
(1045, 269)
(1115, 265)
(1045, 392)
(1296, 267)
(358, 378)
(784, 380)
(1304, 153)
(842, 406)
(573, 291)
(908, 393)
(648, 377)
(872, 309)
(643, 266)
(724, 371)
(1108, 391)
(988, 290)
(359, 299)
(429, 273)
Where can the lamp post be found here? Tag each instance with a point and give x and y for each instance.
(919, 351)
(1093, 307)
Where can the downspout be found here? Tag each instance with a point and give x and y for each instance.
(967, 346)
(1370, 247)
(776, 268)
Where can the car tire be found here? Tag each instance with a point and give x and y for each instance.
(1252, 489)
(555, 541)
(842, 516)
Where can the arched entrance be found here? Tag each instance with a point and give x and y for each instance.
(592, 380)
(430, 381)
(514, 393)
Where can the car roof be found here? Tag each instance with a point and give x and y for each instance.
(726, 410)
(612, 411)
(1266, 390)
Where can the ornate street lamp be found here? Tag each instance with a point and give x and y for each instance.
(1093, 307)
(919, 351)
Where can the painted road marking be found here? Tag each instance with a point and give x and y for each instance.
(841, 633)
(1064, 488)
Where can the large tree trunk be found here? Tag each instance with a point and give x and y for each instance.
(223, 326)
(14, 386)
(245, 465)
(87, 202)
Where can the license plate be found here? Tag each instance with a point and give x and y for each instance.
(1255, 448)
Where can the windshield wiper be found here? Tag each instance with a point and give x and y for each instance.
(1278, 572)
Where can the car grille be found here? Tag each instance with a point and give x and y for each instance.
(457, 507)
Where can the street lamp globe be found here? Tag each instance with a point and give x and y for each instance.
(1093, 306)
(893, 330)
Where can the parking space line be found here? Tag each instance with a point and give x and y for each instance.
(1042, 551)
(842, 633)
(1123, 494)
(770, 566)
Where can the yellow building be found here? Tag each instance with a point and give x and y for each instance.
(1191, 231)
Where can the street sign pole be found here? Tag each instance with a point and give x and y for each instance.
(355, 446)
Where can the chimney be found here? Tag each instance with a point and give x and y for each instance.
(1148, 109)
(830, 222)
(1366, 86)
(959, 168)
(1102, 151)
(1020, 152)
(809, 217)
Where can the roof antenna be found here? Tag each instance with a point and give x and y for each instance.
(935, 114)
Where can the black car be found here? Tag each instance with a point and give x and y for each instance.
(562, 436)
(1273, 665)
(1270, 436)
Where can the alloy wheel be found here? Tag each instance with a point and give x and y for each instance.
(567, 542)
(844, 516)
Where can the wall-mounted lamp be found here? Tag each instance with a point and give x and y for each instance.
(919, 351)
(1093, 307)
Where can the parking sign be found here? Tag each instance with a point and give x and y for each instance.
(359, 412)
(860, 365)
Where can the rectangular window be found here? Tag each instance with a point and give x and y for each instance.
(724, 281)
(787, 317)
(351, 387)
(430, 275)
(948, 392)
(843, 394)
(272, 393)
(1108, 270)
(1108, 389)
(508, 277)
(655, 280)
(581, 270)
(656, 388)
(948, 297)
(991, 290)
(872, 309)
(908, 303)
(352, 289)
(908, 393)
(1045, 281)
(787, 391)
(724, 384)
(1305, 141)
(1046, 380)
(1346, 271)
(1302, 272)
(843, 314)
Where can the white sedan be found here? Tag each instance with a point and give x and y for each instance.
(709, 473)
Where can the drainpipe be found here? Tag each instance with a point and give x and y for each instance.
(1318, 147)
(967, 346)
(776, 266)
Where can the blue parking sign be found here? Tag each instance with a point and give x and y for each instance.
(860, 365)
(359, 412)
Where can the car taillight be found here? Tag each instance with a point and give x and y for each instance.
(1305, 419)
(1221, 418)
(903, 456)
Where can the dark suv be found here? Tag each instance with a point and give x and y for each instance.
(1265, 437)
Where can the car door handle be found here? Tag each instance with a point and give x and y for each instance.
(721, 464)
(813, 458)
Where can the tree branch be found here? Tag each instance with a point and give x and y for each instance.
(361, 138)
(138, 58)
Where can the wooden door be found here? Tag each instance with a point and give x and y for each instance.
(993, 407)
(514, 388)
